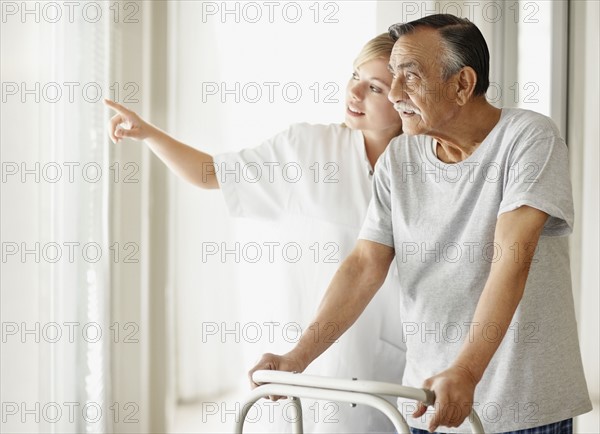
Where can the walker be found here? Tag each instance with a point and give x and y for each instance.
(338, 389)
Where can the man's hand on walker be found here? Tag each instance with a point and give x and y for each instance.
(268, 361)
(454, 391)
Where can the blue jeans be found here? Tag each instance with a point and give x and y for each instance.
(562, 427)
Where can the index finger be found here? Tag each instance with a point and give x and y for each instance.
(115, 106)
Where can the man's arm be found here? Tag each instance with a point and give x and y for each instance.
(517, 234)
(353, 286)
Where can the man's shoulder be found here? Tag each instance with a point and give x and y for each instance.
(405, 144)
(528, 124)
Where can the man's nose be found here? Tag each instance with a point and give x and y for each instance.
(397, 90)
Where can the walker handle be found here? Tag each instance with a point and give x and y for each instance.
(362, 387)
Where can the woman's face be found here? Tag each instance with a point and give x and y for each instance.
(367, 103)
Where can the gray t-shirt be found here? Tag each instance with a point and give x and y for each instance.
(440, 218)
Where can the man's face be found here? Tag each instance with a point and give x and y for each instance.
(425, 102)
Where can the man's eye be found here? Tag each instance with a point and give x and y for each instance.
(410, 76)
(375, 89)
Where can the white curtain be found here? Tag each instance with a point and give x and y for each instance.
(54, 206)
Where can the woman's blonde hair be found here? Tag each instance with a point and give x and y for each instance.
(379, 47)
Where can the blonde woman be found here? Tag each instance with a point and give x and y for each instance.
(329, 201)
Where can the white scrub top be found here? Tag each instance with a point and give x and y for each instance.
(312, 185)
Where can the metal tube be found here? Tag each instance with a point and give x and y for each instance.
(339, 389)
(330, 394)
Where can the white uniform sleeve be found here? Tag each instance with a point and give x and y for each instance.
(539, 177)
(378, 223)
(253, 181)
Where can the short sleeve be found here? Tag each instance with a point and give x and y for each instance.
(251, 180)
(538, 176)
(378, 222)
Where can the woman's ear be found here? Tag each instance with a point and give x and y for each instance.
(466, 82)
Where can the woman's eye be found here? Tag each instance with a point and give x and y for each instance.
(375, 89)
(355, 76)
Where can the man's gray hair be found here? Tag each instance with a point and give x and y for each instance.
(463, 42)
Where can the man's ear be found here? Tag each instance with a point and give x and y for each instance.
(466, 82)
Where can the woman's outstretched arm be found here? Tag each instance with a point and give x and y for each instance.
(188, 163)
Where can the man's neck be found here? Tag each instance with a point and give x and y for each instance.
(467, 132)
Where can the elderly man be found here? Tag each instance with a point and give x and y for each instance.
(475, 204)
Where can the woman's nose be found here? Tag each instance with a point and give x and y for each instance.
(356, 91)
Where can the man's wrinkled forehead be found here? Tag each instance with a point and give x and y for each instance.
(419, 49)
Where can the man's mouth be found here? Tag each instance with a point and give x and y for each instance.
(405, 110)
